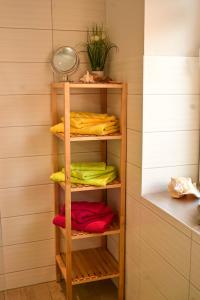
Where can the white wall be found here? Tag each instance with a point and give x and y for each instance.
(171, 92)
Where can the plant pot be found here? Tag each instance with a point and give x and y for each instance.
(100, 74)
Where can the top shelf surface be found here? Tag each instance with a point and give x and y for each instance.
(78, 85)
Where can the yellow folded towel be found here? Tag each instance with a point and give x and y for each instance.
(58, 128)
(89, 124)
(99, 129)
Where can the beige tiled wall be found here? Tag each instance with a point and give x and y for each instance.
(29, 31)
(125, 21)
(163, 138)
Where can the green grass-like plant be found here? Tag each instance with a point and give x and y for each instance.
(98, 47)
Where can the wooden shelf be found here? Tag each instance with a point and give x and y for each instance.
(76, 235)
(82, 138)
(75, 85)
(115, 184)
(90, 265)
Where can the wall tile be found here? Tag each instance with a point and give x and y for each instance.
(31, 110)
(176, 112)
(30, 277)
(132, 280)
(171, 75)
(29, 228)
(26, 14)
(162, 149)
(194, 293)
(134, 148)
(25, 141)
(25, 78)
(72, 38)
(195, 265)
(80, 14)
(128, 33)
(122, 70)
(149, 290)
(25, 45)
(28, 256)
(25, 171)
(133, 180)
(155, 180)
(26, 200)
(170, 243)
(134, 112)
(162, 275)
(172, 28)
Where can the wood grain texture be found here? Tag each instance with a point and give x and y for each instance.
(26, 14)
(24, 42)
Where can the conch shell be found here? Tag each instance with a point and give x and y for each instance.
(87, 78)
(181, 186)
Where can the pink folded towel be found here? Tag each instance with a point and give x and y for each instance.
(87, 216)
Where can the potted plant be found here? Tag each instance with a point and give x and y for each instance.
(98, 47)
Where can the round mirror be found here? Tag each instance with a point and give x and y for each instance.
(65, 61)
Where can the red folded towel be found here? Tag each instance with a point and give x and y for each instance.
(87, 216)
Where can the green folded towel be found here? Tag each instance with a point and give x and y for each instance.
(89, 166)
(58, 177)
(102, 180)
(92, 174)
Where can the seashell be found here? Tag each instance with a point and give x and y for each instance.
(181, 186)
(87, 78)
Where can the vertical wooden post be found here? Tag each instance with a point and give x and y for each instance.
(103, 99)
(55, 169)
(123, 109)
(68, 192)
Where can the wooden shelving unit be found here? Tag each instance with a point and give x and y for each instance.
(90, 264)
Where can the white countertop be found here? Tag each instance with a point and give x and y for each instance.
(185, 212)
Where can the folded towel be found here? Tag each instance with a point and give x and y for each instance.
(58, 177)
(85, 123)
(58, 128)
(89, 166)
(102, 180)
(97, 174)
(99, 129)
(92, 174)
(87, 216)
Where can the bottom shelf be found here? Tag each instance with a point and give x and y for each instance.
(90, 265)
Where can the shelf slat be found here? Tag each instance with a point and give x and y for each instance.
(115, 184)
(114, 85)
(82, 138)
(76, 235)
(90, 265)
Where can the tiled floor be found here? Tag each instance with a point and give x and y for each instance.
(103, 290)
